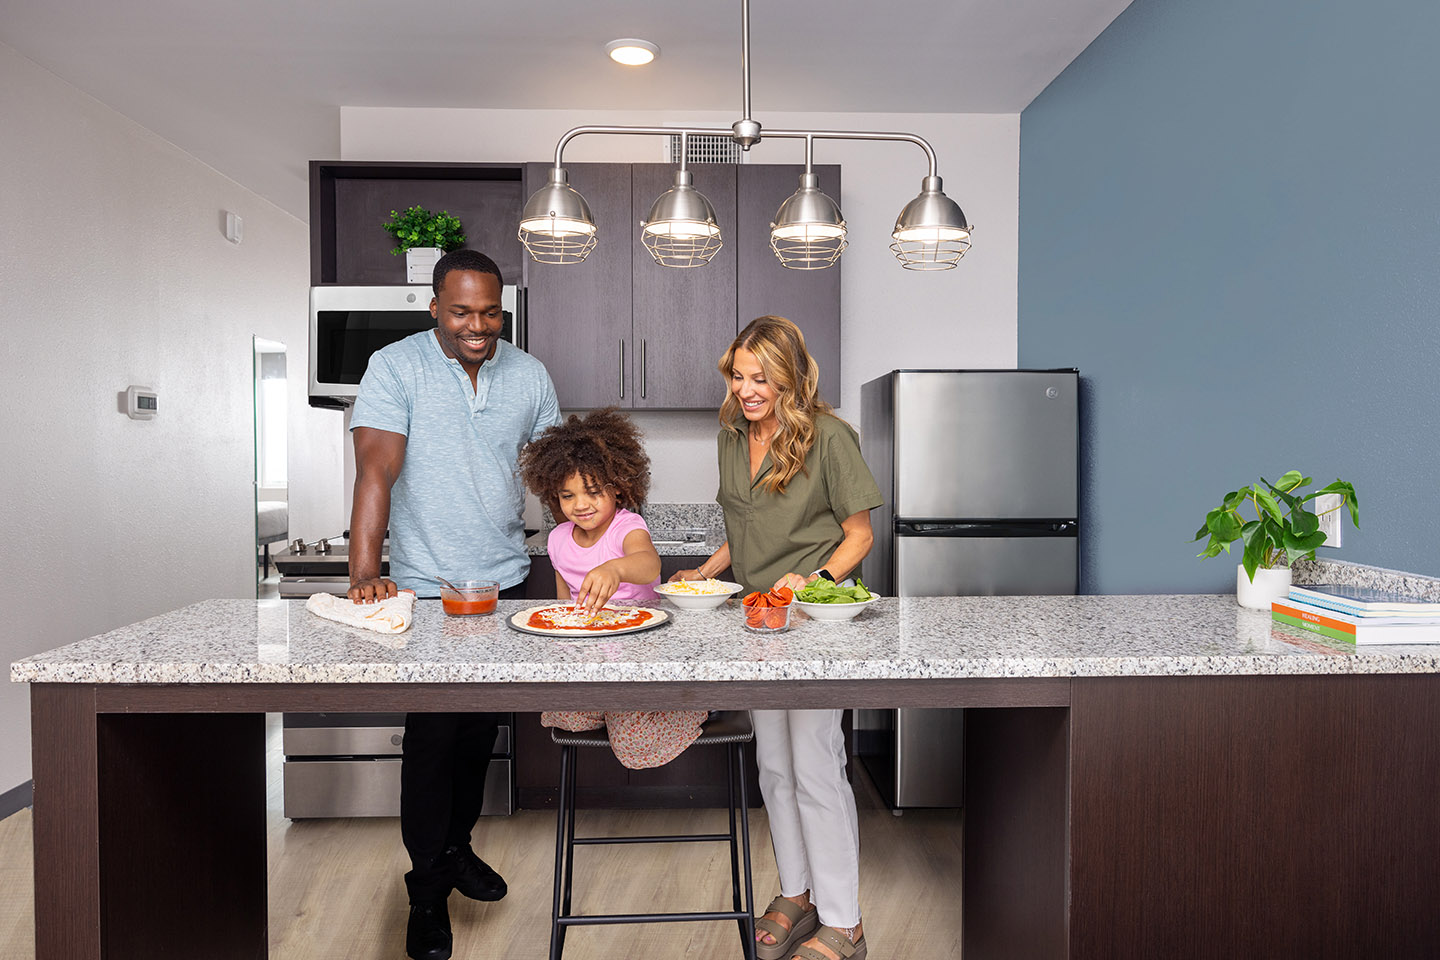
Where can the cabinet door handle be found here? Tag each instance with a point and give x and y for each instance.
(644, 368)
(622, 369)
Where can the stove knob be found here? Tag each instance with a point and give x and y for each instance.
(322, 546)
(297, 546)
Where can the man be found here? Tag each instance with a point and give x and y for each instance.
(439, 421)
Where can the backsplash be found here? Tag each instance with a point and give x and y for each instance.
(1360, 575)
(673, 518)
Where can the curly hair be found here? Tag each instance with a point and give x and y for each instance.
(795, 376)
(604, 447)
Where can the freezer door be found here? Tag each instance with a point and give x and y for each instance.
(986, 566)
(985, 444)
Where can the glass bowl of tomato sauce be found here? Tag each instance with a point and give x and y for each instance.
(470, 598)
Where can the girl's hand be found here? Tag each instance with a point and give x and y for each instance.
(685, 575)
(598, 587)
(792, 580)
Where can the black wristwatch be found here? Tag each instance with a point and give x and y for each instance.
(822, 572)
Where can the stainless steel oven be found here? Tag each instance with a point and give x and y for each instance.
(348, 765)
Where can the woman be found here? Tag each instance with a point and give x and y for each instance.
(797, 498)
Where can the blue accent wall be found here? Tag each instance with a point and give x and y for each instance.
(1230, 222)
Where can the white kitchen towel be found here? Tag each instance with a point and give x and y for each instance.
(392, 615)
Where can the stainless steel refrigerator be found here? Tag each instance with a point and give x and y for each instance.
(979, 470)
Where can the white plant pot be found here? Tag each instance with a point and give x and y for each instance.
(1269, 585)
(420, 263)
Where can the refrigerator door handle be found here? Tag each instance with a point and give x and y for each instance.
(987, 528)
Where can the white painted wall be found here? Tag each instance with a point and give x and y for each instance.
(114, 270)
(890, 317)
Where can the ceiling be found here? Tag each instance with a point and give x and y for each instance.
(254, 88)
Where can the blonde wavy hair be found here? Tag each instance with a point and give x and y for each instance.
(795, 377)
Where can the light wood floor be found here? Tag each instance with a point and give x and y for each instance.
(336, 891)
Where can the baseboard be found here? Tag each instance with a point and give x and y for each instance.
(16, 798)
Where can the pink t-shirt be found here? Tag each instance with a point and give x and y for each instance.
(573, 561)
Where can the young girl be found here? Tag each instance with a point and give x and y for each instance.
(594, 472)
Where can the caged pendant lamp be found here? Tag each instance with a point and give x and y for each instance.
(556, 225)
(681, 230)
(808, 232)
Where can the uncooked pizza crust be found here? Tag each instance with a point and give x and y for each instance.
(564, 620)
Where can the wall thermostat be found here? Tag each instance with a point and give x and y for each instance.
(141, 403)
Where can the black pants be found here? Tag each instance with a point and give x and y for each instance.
(442, 787)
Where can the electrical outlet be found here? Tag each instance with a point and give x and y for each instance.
(1329, 507)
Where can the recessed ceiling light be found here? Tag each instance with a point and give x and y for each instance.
(632, 52)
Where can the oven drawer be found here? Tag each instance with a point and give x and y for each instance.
(357, 735)
(370, 787)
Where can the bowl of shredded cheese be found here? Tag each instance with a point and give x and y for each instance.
(698, 594)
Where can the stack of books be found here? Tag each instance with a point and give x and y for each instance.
(1359, 614)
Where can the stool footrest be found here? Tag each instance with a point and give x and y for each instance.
(680, 838)
(607, 918)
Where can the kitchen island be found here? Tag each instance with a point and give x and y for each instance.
(1146, 776)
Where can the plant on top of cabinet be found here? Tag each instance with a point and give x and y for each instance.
(418, 227)
(1282, 532)
(423, 236)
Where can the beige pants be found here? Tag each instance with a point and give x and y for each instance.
(813, 827)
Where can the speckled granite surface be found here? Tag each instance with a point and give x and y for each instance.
(245, 641)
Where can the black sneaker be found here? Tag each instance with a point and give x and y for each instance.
(427, 936)
(473, 876)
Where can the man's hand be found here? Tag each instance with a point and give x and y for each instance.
(598, 587)
(685, 575)
(372, 590)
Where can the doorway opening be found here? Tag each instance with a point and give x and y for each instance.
(272, 481)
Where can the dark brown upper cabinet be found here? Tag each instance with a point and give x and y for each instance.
(684, 318)
(763, 287)
(349, 200)
(578, 314)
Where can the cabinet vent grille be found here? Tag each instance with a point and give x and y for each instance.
(706, 148)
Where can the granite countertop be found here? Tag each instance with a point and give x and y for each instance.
(276, 641)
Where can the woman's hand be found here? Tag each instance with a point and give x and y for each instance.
(598, 587)
(794, 581)
(685, 575)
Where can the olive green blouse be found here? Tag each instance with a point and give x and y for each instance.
(796, 531)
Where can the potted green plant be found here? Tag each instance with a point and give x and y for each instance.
(1284, 530)
(423, 236)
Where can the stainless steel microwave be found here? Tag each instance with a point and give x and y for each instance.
(348, 324)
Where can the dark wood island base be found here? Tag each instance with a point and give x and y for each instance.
(1107, 818)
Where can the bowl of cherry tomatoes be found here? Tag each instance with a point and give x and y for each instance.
(768, 612)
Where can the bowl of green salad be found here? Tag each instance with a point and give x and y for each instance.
(826, 600)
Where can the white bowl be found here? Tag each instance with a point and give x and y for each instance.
(699, 601)
(835, 611)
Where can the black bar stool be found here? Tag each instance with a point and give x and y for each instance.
(730, 729)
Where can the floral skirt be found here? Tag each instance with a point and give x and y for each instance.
(640, 738)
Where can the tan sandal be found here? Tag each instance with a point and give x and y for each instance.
(802, 924)
(838, 943)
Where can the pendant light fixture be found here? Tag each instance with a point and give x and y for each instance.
(681, 230)
(556, 225)
(808, 232)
